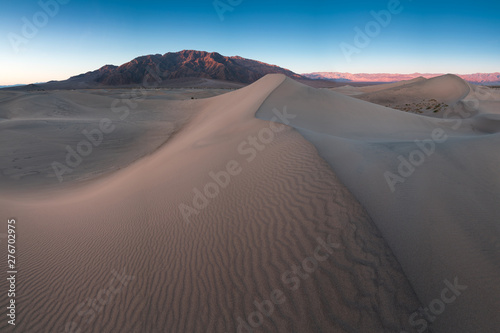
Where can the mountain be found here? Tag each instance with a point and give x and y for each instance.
(189, 64)
(186, 68)
(479, 78)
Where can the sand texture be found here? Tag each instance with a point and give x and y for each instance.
(431, 185)
(115, 252)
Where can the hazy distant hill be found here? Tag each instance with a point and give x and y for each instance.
(12, 85)
(480, 78)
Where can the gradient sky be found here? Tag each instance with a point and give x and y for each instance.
(304, 36)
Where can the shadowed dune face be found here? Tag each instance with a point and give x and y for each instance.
(378, 87)
(430, 185)
(121, 255)
(487, 123)
(348, 90)
(102, 130)
(447, 87)
(431, 97)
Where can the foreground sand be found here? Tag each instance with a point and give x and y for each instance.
(432, 186)
(120, 253)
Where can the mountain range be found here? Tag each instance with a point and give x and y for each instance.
(190, 68)
(187, 68)
(478, 78)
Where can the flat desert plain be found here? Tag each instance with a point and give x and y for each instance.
(276, 207)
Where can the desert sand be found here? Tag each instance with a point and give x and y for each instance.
(435, 200)
(207, 215)
(430, 97)
(203, 273)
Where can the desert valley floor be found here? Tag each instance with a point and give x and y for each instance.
(276, 207)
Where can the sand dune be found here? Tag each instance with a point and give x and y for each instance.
(140, 249)
(378, 87)
(348, 90)
(119, 254)
(431, 97)
(45, 124)
(448, 88)
(439, 213)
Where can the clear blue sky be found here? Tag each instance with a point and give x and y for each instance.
(304, 36)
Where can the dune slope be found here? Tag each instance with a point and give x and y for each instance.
(431, 186)
(124, 254)
(431, 97)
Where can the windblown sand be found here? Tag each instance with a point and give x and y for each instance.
(201, 275)
(118, 216)
(432, 186)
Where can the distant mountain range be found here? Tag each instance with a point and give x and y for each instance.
(479, 78)
(189, 68)
(184, 64)
(185, 68)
